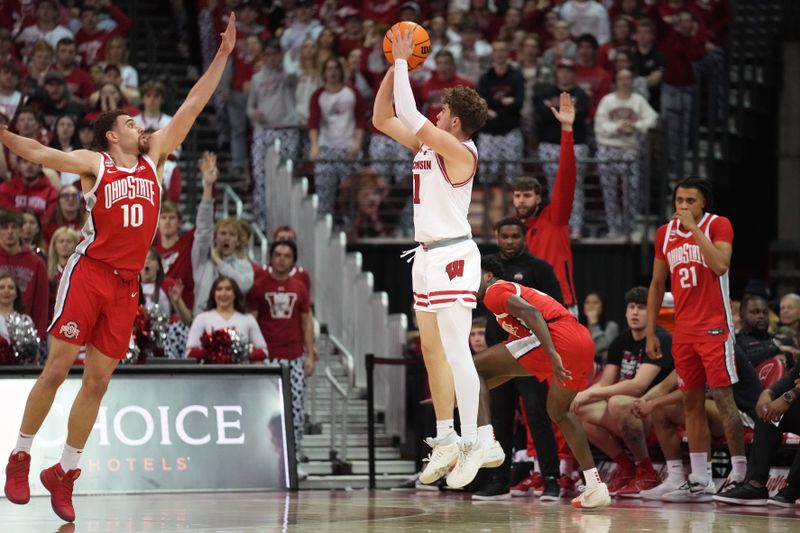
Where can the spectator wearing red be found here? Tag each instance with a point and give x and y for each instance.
(10, 97)
(28, 189)
(387, 12)
(283, 311)
(593, 79)
(78, 80)
(547, 235)
(717, 16)
(683, 45)
(512, 22)
(69, 211)
(46, 27)
(621, 33)
(352, 36)
(27, 269)
(11, 14)
(667, 14)
(360, 198)
(287, 233)
(175, 249)
(327, 45)
(8, 50)
(91, 40)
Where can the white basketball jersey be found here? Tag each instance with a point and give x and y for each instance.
(440, 208)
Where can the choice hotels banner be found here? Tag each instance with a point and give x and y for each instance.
(164, 429)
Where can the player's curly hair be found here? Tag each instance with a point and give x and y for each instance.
(466, 104)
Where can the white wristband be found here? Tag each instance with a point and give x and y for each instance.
(404, 104)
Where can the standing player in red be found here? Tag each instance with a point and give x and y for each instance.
(544, 341)
(695, 248)
(98, 294)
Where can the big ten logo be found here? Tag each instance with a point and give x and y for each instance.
(455, 269)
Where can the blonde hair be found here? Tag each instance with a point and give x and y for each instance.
(240, 232)
(52, 256)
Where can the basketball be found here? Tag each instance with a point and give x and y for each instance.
(422, 43)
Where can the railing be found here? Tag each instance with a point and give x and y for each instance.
(258, 246)
(228, 196)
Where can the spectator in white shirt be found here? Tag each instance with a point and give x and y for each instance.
(587, 16)
(46, 28)
(622, 119)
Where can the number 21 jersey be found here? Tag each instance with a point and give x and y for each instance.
(702, 299)
(124, 207)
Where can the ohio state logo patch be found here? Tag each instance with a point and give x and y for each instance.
(70, 330)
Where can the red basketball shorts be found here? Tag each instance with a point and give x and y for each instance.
(95, 306)
(573, 343)
(698, 363)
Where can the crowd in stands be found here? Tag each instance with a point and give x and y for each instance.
(306, 73)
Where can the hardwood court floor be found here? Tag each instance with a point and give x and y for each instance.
(378, 512)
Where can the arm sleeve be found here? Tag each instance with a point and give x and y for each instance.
(123, 21)
(564, 189)
(204, 224)
(603, 340)
(404, 104)
(647, 116)
(240, 271)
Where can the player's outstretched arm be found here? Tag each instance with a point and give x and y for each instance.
(384, 119)
(81, 162)
(167, 139)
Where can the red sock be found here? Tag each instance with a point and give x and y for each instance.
(645, 464)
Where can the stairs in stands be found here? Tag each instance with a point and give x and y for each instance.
(154, 51)
(324, 469)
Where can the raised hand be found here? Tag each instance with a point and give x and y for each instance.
(228, 37)
(565, 113)
(402, 44)
(208, 168)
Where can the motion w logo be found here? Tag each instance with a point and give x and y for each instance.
(455, 269)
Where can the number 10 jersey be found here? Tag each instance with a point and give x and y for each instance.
(124, 207)
(702, 298)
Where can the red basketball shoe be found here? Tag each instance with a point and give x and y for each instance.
(17, 488)
(60, 484)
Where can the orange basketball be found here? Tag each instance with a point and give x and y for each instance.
(422, 43)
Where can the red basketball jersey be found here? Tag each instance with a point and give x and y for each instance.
(498, 294)
(123, 206)
(702, 299)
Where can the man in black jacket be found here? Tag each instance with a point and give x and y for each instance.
(521, 267)
(778, 412)
(755, 340)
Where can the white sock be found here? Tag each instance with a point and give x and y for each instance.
(455, 323)
(536, 465)
(699, 461)
(486, 434)
(69, 458)
(592, 477)
(565, 467)
(738, 467)
(24, 443)
(469, 433)
(444, 428)
(675, 473)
